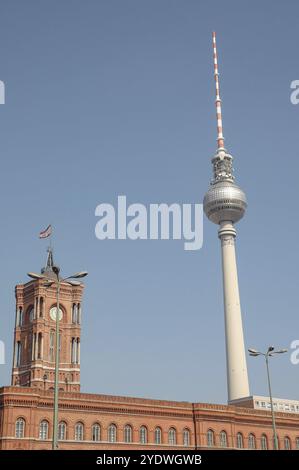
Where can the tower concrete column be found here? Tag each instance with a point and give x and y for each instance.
(225, 204)
(237, 377)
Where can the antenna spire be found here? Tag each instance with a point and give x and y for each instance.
(220, 138)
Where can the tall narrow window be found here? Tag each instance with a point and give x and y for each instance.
(251, 441)
(240, 443)
(62, 431)
(77, 351)
(96, 432)
(172, 437)
(210, 438)
(39, 346)
(19, 321)
(52, 336)
(73, 351)
(186, 437)
(297, 443)
(158, 435)
(43, 430)
(264, 442)
(128, 433)
(223, 439)
(33, 346)
(79, 432)
(74, 313)
(112, 433)
(20, 428)
(31, 315)
(79, 314)
(18, 353)
(36, 307)
(287, 443)
(41, 307)
(143, 435)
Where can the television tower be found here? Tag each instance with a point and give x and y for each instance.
(225, 204)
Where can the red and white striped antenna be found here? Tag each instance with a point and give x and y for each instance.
(220, 138)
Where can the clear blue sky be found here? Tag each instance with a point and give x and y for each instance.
(117, 97)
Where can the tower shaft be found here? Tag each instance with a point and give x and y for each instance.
(225, 204)
(237, 377)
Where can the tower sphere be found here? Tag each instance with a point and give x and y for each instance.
(224, 202)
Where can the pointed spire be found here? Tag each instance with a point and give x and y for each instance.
(48, 269)
(220, 138)
(50, 262)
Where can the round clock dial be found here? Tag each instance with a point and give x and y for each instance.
(53, 311)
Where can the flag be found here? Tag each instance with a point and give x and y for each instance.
(46, 233)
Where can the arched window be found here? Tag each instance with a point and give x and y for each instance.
(143, 435)
(96, 432)
(186, 437)
(297, 443)
(30, 314)
(43, 430)
(240, 443)
(172, 437)
(158, 435)
(20, 428)
(128, 433)
(264, 442)
(210, 438)
(79, 432)
(62, 431)
(223, 439)
(287, 443)
(251, 441)
(112, 433)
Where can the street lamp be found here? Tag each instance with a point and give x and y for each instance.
(270, 352)
(48, 283)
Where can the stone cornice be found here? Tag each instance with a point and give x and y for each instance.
(19, 396)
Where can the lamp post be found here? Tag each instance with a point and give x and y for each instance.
(48, 283)
(270, 352)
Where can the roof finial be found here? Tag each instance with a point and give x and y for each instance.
(220, 138)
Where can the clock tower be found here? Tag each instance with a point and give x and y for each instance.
(34, 334)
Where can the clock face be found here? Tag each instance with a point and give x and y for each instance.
(53, 311)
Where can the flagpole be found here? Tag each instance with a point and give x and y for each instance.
(51, 245)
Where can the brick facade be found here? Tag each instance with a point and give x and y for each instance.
(35, 406)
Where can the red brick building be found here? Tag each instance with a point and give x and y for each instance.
(88, 421)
